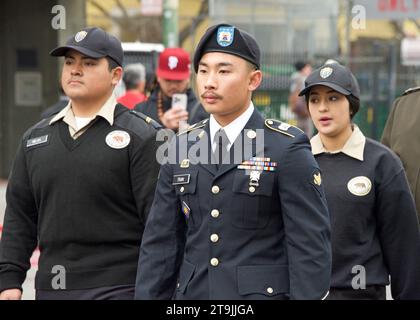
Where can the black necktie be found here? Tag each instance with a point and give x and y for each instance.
(222, 141)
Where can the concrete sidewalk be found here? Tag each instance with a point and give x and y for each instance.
(28, 285)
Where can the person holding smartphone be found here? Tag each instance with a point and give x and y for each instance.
(173, 78)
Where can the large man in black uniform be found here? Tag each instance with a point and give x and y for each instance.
(254, 226)
(81, 185)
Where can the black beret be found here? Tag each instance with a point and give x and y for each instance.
(228, 39)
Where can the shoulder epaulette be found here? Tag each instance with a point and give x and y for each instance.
(40, 125)
(197, 125)
(282, 127)
(147, 119)
(411, 90)
(43, 123)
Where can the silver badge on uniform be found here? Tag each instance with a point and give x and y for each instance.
(359, 186)
(254, 178)
(118, 139)
(326, 72)
(284, 126)
(80, 36)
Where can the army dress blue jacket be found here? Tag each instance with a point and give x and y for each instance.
(211, 234)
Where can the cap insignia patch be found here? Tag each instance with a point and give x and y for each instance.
(80, 36)
(326, 72)
(225, 36)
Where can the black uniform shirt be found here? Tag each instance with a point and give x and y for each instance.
(373, 216)
(83, 196)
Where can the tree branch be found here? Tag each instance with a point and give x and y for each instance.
(398, 29)
(101, 9)
(122, 8)
(416, 23)
(199, 18)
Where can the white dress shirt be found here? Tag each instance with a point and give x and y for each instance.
(233, 129)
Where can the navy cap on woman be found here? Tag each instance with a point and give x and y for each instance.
(374, 226)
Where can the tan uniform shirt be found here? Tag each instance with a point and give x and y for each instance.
(67, 115)
(354, 146)
(402, 135)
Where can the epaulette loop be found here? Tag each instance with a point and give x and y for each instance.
(147, 119)
(197, 125)
(281, 127)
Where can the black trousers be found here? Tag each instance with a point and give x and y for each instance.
(125, 292)
(370, 293)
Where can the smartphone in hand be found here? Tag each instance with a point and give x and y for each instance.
(180, 100)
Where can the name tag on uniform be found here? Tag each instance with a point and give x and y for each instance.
(37, 141)
(181, 179)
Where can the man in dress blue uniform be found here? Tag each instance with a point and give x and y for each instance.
(252, 226)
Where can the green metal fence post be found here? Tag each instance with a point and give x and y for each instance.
(170, 23)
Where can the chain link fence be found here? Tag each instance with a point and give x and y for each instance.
(377, 68)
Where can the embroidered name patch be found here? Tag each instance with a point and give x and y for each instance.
(37, 141)
(181, 179)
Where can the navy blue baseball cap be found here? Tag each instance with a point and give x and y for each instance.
(334, 76)
(228, 39)
(93, 42)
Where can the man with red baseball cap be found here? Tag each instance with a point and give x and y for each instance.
(173, 77)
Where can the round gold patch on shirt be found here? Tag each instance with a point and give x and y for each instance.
(359, 186)
(117, 139)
